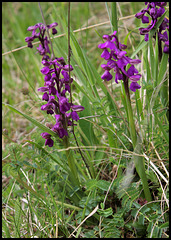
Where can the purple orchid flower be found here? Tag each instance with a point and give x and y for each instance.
(117, 60)
(56, 84)
(154, 11)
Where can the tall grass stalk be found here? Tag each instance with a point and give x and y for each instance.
(114, 17)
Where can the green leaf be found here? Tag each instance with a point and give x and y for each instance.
(141, 220)
(56, 160)
(105, 213)
(140, 167)
(6, 229)
(111, 139)
(152, 59)
(165, 225)
(163, 66)
(103, 185)
(114, 20)
(166, 136)
(141, 45)
(139, 106)
(86, 125)
(35, 122)
(17, 218)
(126, 38)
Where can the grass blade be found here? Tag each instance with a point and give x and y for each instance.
(114, 19)
(35, 122)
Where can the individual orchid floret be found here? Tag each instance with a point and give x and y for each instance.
(117, 60)
(48, 141)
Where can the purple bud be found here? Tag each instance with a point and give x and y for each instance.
(30, 45)
(106, 37)
(166, 49)
(50, 111)
(43, 89)
(31, 28)
(66, 76)
(139, 15)
(131, 71)
(54, 31)
(134, 61)
(52, 25)
(29, 39)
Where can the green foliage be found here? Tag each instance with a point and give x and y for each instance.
(17, 218)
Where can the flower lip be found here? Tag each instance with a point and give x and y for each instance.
(105, 54)
(75, 116)
(45, 70)
(49, 142)
(134, 86)
(107, 76)
(145, 19)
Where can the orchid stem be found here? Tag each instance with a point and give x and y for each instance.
(136, 141)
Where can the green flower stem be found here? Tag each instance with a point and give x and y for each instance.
(73, 176)
(138, 160)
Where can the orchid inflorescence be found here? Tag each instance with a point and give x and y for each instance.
(117, 60)
(155, 10)
(56, 84)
